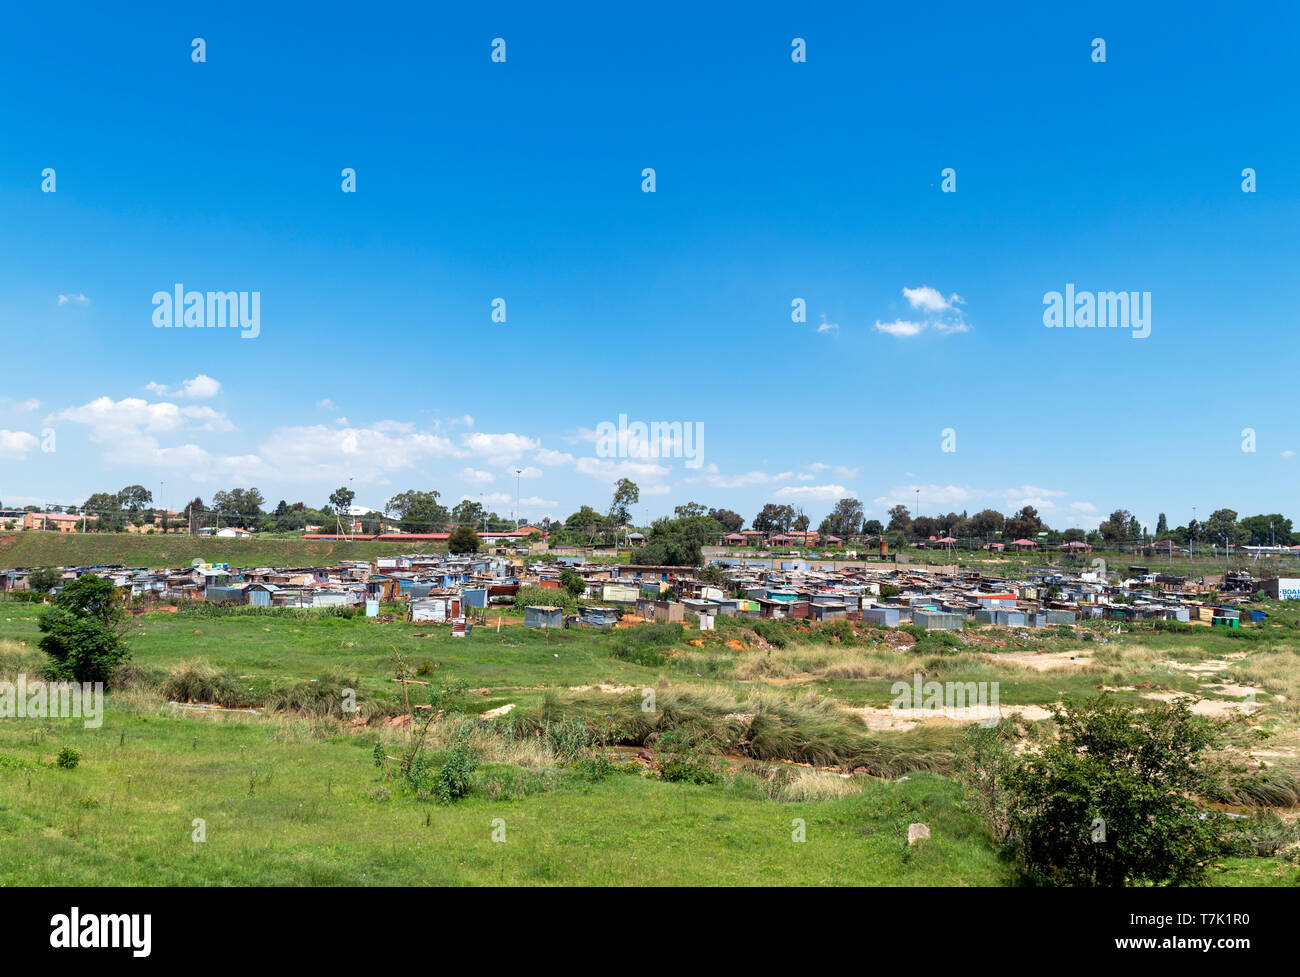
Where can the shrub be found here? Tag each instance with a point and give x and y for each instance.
(82, 639)
(454, 778)
(1112, 802)
(68, 758)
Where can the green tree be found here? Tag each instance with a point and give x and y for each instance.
(1114, 801)
(464, 539)
(419, 512)
(573, 582)
(134, 498)
(82, 631)
(626, 495)
(846, 518)
(341, 500)
(1222, 524)
(467, 512)
(730, 521)
(43, 579)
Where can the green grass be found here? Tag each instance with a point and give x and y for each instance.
(293, 800)
(285, 803)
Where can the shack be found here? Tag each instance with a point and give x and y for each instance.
(543, 616)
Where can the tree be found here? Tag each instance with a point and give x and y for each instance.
(43, 579)
(845, 519)
(239, 507)
(679, 542)
(573, 582)
(463, 540)
(1162, 525)
(801, 521)
(83, 636)
(872, 527)
(1025, 524)
(101, 502)
(1267, 530)
(1223, 523)
(730, 521)
(194, 514)
(626, 495)
(587, 522)
(688, 510)
(341, 499)
(900, 520)
(987, 523)
(418, 512)
(467, 512)
(134, 498)
(774, 518)
(1113, 801)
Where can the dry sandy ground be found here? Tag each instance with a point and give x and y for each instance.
(901, 720)
(1042, 661)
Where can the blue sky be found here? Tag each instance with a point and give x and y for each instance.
(377, 358)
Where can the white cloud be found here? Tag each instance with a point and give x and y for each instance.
(201, 387)
(809, 493)
(1084, 507)
(610, 470)
(499, 448)
(327, 404)
(474, 475)
(551, 458)
(827, 326)
(941, 314)
(15, 445)
(1288, 453)
(77, 299)
(931, 299)
(900, 327)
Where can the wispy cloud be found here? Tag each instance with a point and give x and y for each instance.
(77, 299)
(201, 387)
(940, 314)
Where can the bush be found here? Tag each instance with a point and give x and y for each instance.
(44, 579)
(1114, 801)
(463, 540)
(454, 778)
(68, 758)
(81, 631)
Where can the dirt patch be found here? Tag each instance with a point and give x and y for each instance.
(901, 720)
(1206, 667)
(1214, 708)
(602, 687)
(498, 711)
(1042, 661)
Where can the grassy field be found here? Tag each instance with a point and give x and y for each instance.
(294, 796)
(33, 549)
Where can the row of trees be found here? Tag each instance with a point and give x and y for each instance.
(416, 510)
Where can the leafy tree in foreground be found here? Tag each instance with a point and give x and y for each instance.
(83, 637)
(1112, 802)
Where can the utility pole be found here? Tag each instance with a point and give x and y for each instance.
(518, 474)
